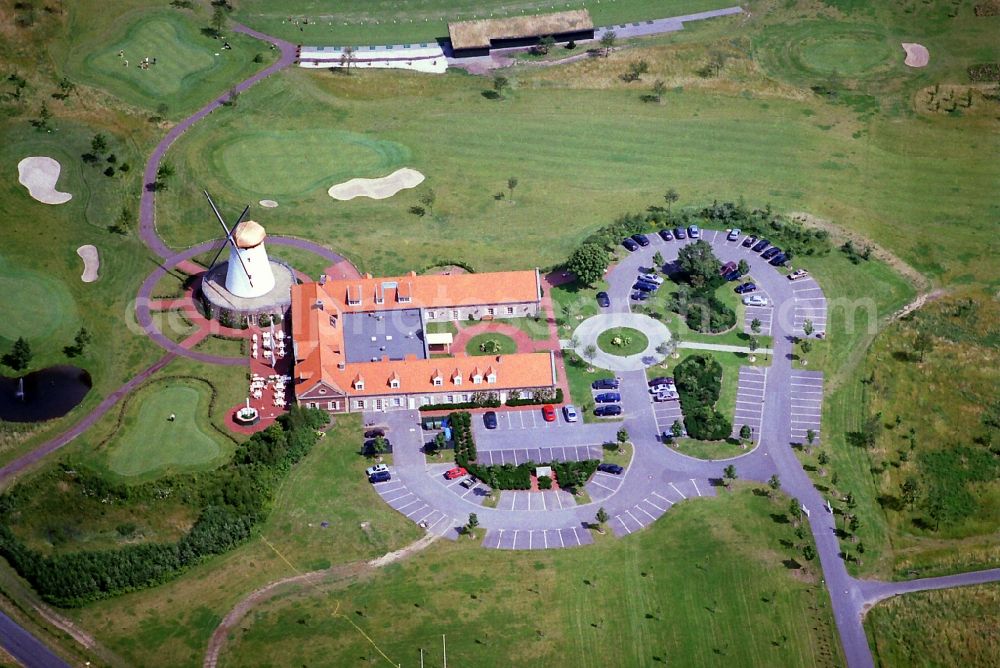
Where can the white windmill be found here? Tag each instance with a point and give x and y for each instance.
(249, 273)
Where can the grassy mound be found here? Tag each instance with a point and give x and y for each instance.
(817, 50)
(622, 341)
(149, 442)
(475, 345)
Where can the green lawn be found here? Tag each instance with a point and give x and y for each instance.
(708, 449)
(191, 68)
(950, 627)
(537, 329)
(151, 443)
(507, 344)
(622, 341)
(706, 581)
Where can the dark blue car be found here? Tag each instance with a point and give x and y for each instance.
(603, 300)
(643, 286)
(666, 235)
(745, 288)
(608, 411)
(629, 244)
(761, 245)
(640, 296)
(779, 260)
(605, 384)
(490, 419)
(641, 239)
(733, 276)
(680, 233)
(380, 476)
(608, 398)
(771, 252)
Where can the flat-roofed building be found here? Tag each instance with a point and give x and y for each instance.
(477, 38)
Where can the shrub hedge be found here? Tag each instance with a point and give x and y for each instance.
(461, 436)
(699, 382)
(235, 498)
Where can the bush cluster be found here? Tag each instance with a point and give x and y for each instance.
(701, 309)
(792, 237)
(570, 475)
(235, 497)
(984, 72)
(461, 436)
(699, 382)
(492, 401)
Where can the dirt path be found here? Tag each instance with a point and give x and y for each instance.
(343, 573)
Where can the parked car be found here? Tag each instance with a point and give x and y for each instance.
(727, 268)
(630, 245)
(665, 396)
(679, 233)
(380, 476)
(779, 260)
(755, 300)
(662, 387)
(469, 482)
(771, 252)
(694, 232)
(608, 410)
(456, 472)
(378, 468)
(490, 419)
(549, 412)
(659, 380)
(749, 241)
(645, 287)
(797, 274)
(761, 245)
(603, 300)
(666, 235)
(606, 384)
(640, 296)
(651, 277)
(610, 468)
(608, 398)
(733, 276)
(734, 234)
(745, 288)
(569, 412)
(641, 239)
(375, 433)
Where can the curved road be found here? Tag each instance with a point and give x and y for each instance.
(849, 596)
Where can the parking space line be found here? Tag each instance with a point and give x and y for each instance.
(695, 486)
(400, 509)
(653, 519)
(578, 541)
(411, 514)
(677, 490)
(622, 522)
(629, 513)
(662, 510)
(604, 486)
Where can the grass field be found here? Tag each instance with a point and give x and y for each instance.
(654, 597)
(151, 443)
(388, 22)
(191, 68)
(951, 627)
(709, 449)
(507, 344)
(632, 341)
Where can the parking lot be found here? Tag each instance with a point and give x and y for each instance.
(602, 485)
(763, 313)
(657, 503)
(666, 413)
(537, 539)
(561, 453)
(550, 499)
(750, 391)
(810, 304)
(807, 403)
(405, 502)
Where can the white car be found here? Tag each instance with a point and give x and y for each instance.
(378, 468)
(569, 412)
(797, 274)
(734, 234)
(652, 277)
(755, 300)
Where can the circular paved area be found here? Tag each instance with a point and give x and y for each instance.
(587, 332)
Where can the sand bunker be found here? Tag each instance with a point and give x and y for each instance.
(39, 176)
(268, 203)
(916, 54)
(387, 186)
(91, 263)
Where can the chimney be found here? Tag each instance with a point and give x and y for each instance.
(341, 365)
(498, 359)
(322, 279)
(318, 304)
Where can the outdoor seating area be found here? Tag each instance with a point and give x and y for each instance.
(271, 346)
(275, 382)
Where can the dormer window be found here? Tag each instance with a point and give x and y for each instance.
(354, 295)
(436, 379)
(394, 383)
(477, 379)
(491, 378)
(457, 379)
(359, 383)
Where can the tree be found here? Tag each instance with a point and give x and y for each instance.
(233, 98)
(670, 197)
(588, 262)
(379, 446)
(717, 60)
(774, 482)
(99, 144)
(19, 356)
(428, 198)
(346, 59)
(499, 83)
(635, 70)
(744, 268)
(659, 88)
(677, 429)
(470, 527)
(218, 19)
(809, 553)
(602, 518)
(746, 432)
(810, 436)
(805, 345)
(699, 262)
(590, 352)
(923, 343)
(753, 344)
(795, 510)
(871, 430)
(80, 342)
(545, 45)
(608, 41)
(807, 327)
(121, 225)
(729, 475)
(755, 326)
(909, 491)
(511, 184)
(165, 171)
(658, 260)
(623, 436)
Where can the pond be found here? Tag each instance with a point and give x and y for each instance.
(49, 393)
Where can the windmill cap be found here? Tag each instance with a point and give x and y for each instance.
(248, 234)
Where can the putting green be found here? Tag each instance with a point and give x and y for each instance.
(850, 54)
(149, 441)
(34, 305)
(623, 341)
(805, 51)
(259, 163)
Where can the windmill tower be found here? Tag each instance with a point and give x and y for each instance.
(249, 272)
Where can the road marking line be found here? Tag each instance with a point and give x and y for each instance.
(677, 490)
(578, 541)
(545, 538)
(647, 513)
(662, 510)
(629, 513)
(400, 509)
(531, 534)
(622, 522)
(695, 486)
(409, 515)
(662, 498)
(544, 507)
(604, 486)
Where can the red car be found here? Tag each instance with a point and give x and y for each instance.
(549, 413)
(456, 472)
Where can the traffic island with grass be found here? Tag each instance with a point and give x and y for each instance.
(622, 341)
(491, 343)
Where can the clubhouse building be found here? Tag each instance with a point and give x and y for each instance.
(362, 344)
(478, 38)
